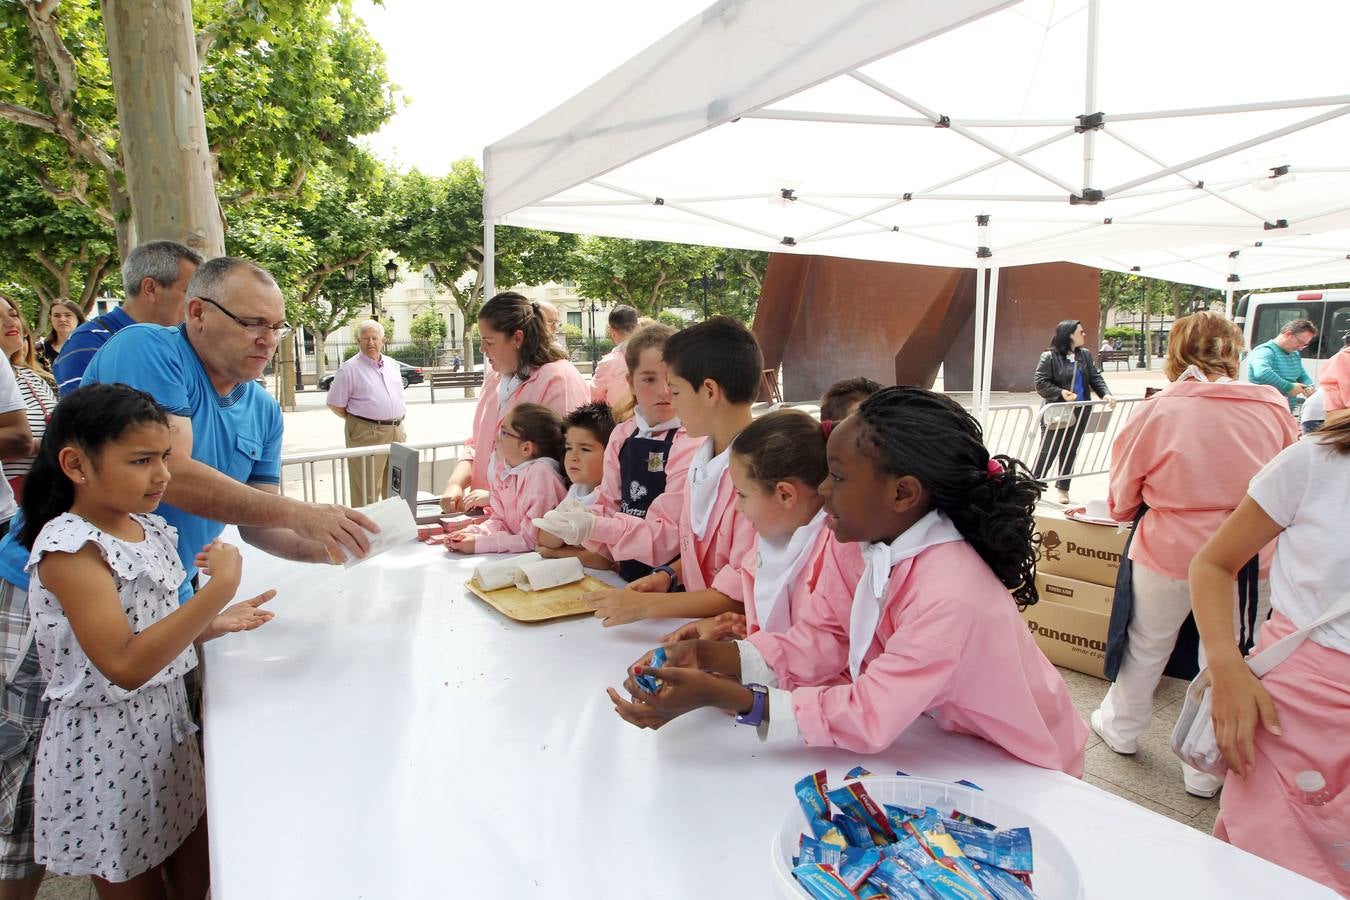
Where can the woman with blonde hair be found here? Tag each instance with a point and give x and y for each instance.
(1165, 476)
(35, 385)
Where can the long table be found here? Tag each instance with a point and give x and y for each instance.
(388, 735)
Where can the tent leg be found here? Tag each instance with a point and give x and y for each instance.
(1090, 93)
(1228, 304)
(489, 258)
(977, 372)
(987, 384)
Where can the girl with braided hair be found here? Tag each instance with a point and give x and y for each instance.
(927, 623)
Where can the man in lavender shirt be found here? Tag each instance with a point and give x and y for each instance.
(367, 392)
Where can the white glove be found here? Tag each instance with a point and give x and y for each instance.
(571, 522)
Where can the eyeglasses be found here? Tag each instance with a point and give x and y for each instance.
(506, 434)
(256, 328)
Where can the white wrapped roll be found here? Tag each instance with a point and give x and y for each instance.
(548, 573)
(397, 526)
(502, 573)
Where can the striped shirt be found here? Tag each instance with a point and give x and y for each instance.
(1270, 364)
(38, 397)
(81, 346)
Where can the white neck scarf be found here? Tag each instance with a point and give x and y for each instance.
(507, 386)
(1193, 373)
(776, 570)
(879, 559)
(587, 497)
(645, 431)
(705, 476)
(503, 471)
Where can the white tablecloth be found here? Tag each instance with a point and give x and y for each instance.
(390, 736)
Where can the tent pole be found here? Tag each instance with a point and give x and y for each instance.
(1090, 92)
(989, 344)
(1228, 304)
(977, 373)
(489, 258)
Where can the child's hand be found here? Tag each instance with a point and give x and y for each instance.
(475, 499)
(243, 616)
(222, 561)
(682, 690)
(588, 559)
(460, 543)
(617, 606)
(728, 626)
(571, 522)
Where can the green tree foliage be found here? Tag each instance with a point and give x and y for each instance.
(439, 225)
(428, 329)
(646, 275)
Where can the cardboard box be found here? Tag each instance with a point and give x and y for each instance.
(1079, 550)
(1084, 595)
(1069, 637)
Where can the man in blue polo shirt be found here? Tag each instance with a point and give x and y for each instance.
(226, 459)
(156, 276)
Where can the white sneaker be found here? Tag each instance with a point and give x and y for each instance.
(1200, 784)
(1064, 498)
(1122, 748)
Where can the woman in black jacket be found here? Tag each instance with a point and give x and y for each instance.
(1067, 373)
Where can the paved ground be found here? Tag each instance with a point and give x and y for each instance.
(1150, 778)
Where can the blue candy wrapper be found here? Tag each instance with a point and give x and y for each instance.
(812, 851)
(857, 772)
(958, 816)
(856, 864)
(827, 831)
(1010, 849)
(854, 832)
(970, 784)
(910, 851)
(811, 795)
(855, 802)
(948, 885)
(1003, 885)
(822, 883)
(650, 683)
(898, 882)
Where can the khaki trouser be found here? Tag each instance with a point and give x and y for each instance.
(368, 476)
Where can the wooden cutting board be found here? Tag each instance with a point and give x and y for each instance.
(539, 606)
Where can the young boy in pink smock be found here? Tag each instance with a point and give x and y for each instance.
(526, 482)
(929, 624)
(713, 373)
(524, 366)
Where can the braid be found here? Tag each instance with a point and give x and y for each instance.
(910, 431)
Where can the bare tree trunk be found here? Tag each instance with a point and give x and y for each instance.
(285, 372)
(320, 353)
(152, 55)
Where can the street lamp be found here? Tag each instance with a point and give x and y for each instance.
(1143, 322)
(718, 276)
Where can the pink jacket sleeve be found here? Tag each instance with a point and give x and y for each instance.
(814, 650)
(539, 489)
(730, 579)
(609, 372)
(910, 676)
(1130, 463)
(1334, 379)
(607, 502)
(656, 539)
(486, 394)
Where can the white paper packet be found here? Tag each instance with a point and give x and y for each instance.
(502, 573)
(548, 573)
(397, 526)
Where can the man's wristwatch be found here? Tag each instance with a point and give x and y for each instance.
(670, 573)
(758, 707)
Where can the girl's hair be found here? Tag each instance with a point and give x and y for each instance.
(784, 445)
(89, 418)
(26, 357)
(509, 312)
(73, 307)
(838, 397)
(541, 426)
(1336, 435)
(910, 431)
(648, 337)
(1062, 342)
(1205, 340)
(597, 418)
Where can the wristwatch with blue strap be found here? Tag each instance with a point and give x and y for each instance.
(758, 707)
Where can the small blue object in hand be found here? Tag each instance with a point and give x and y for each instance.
(650, 683)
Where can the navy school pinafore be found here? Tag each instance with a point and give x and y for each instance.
(642, 478)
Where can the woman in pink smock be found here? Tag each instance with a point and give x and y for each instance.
(1164, 460)
(1293, 725)
(524, 367)
(927, 624)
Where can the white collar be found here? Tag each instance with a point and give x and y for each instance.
(588, 497)
(879, 559)
(776, 570)
(1193, 373)
(645, 431)
(505, 471)
(705, 477)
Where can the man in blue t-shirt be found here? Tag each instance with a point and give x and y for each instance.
(226, 459)
(156, 276)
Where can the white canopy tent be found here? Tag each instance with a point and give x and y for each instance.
(1141, 135)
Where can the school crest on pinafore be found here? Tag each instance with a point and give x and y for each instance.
(656, 462)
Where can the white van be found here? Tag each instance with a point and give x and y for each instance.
(1261, 316)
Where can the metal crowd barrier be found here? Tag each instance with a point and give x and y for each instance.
(321, 476)
(1080, 447)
